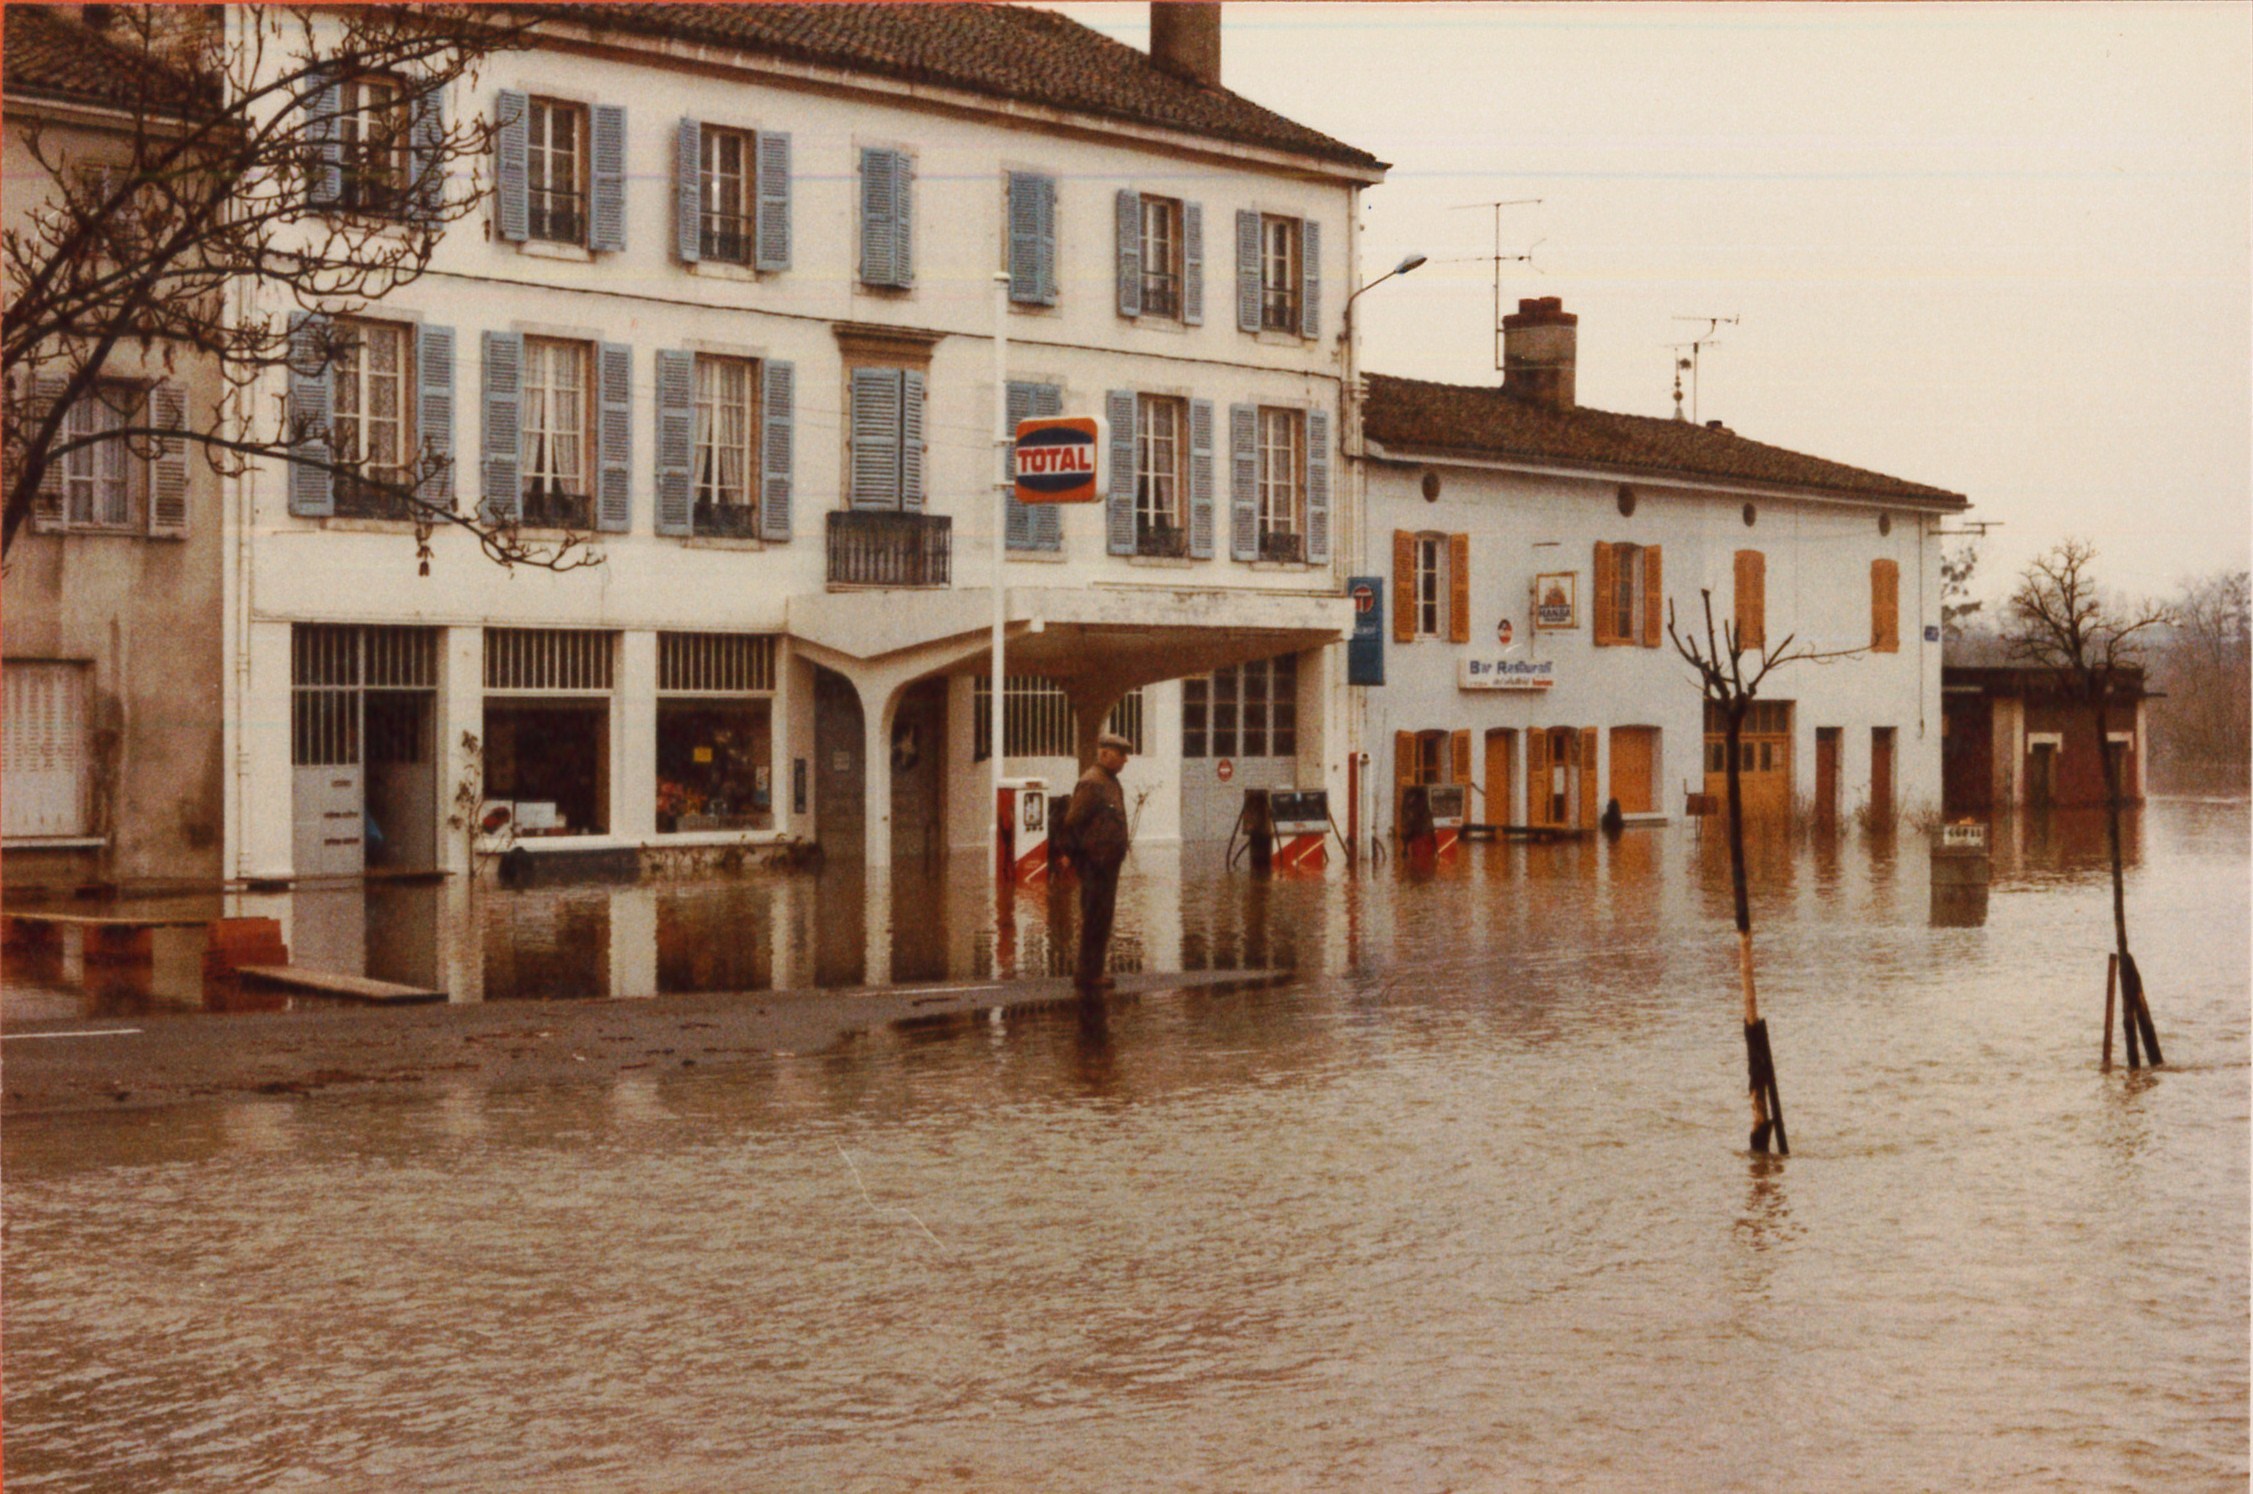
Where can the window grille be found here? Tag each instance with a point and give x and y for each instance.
(1246, 710)
(330, 665)
(715, 663)
(557, 660)
(1037, 721)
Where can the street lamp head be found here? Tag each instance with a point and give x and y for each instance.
(1410, 263)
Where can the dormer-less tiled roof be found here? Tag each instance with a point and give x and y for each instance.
(1005, 51)
(50, 54)
(1411, 415)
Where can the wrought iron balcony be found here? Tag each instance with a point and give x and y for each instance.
(726, 520)
(1168, 541)
(878, 547)
(1289, 548)
(546, 508)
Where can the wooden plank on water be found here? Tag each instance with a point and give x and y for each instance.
(336, 983)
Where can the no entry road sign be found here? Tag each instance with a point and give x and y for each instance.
(1056, 460)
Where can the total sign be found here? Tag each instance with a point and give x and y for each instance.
(1056, 459)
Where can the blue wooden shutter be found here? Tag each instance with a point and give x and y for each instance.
(1118, 510)
(877, 195)
(772, 248)
(1047, 254)
(434, 410)
(1243, 482)
(614, 499)
(312, 488)
(426, 141)
(1318, 487)
(1193, 264)
(778, 390)
(903, 217)
(1129, 227)
(1048, 518)
(324, 176)
(606, 227)
(1018, 527)
(1310, 278)
(911, 441)
(676, 440)
(168, 469)
(1024, 237)
(876, 438)
(688, 189)
(503, 426)
(1247, 272)
(1201, 478)
(512, 170)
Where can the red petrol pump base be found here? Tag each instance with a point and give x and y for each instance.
(1303, 853)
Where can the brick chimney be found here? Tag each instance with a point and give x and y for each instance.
(1185, 39)
(1539, 351)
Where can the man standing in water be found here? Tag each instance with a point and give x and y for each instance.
(1097, 824)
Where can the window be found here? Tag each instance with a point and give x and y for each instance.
(1282, 484)
(1161, 256)
(1885, 606)
(1279, 283)
(547, 729)
(105, 483)
(43, 750)
(1246, 710)
(1159, 453)
(555, 434)
(1037, 719)
(1431, 585)
(727, 446)
(555, 157)
(729, 181)
(371, 424)
(715, 743)
(372, 137)
(1624, 604)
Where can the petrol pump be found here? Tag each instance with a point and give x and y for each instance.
(1446, 800)
(1024, 829)
(1301, 818)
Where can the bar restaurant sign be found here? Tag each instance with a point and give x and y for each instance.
(1490, 672)
(1556, 601)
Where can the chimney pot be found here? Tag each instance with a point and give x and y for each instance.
(1185, 39)
(1540, 352)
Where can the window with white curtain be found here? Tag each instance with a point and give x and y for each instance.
(555, 433)
(727, 445)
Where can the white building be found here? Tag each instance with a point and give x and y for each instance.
(1539, 550)
(732, 307)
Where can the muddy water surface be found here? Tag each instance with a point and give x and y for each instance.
(1464, 1207)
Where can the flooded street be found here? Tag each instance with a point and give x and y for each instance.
(1464, 1206)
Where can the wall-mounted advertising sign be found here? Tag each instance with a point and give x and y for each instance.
(1490, 673)
(1056, 459)
(1556, 601)
(1365, 650)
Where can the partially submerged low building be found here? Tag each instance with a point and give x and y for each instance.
(2023, 736)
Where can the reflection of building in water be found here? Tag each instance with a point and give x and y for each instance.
(1538, 548)
(2018, 736)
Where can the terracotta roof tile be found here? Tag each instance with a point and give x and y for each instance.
(1481, 421)
(49, 53)
(1007, 51)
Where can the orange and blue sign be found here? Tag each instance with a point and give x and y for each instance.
(1056, 459)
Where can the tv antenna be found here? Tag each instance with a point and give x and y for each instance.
(1696, 345)
(1499, 258)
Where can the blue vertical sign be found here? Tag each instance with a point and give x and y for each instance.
(1365, 650)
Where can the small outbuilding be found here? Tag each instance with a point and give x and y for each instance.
(2017, 735)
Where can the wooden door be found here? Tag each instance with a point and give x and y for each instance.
(1501, 775)
(1634, 771)
(1586, 781)
(1881, 773)
(1537, 775)
(1826, 774)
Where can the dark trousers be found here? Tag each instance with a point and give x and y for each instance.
(1099, 900)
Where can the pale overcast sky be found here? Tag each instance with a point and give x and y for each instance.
(1998, 248)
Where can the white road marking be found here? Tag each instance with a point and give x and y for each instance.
(9, 1037)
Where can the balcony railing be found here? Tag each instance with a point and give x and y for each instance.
(1288, 548)
(728, 237)
(726, 520)
(1167, 541)
(545, 508)
(869, 547)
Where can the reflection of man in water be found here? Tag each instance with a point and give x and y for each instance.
(1097, 825)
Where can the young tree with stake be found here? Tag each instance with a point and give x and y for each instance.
(1730, 669)
(266, 161)
(2060, 619)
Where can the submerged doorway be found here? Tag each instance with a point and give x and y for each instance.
(363, 703)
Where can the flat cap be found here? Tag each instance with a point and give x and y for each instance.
(1115, 742)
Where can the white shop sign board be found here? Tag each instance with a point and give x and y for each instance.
(1490, 673)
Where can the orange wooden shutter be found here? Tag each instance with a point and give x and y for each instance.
(1885, 606)
(1459, 588)
(1537, 776)
(1459, 753)
(1654, 603)
(1403, 758)
(1752, 599)
(1403, 586)
(1589, 794)
(1606, 572)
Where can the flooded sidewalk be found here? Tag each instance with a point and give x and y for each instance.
(1462, 1204)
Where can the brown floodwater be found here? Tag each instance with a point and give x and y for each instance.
(1467, 1205)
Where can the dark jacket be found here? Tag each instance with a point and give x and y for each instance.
(1096, 818)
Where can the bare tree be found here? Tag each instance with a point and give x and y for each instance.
(1958, 615)
(2060, 620)
(267, 162)
(1731, 670)
(2202, 668)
